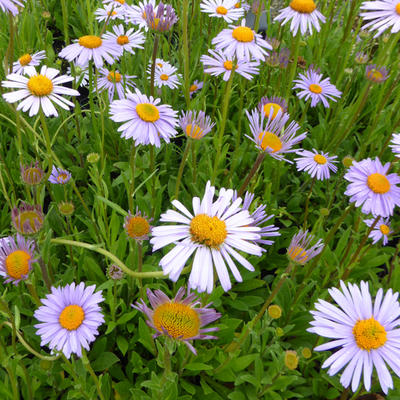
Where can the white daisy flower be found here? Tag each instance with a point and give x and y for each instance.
(318, 165)
(110, 13)
(126, 40)
(396, 144)
(39, 90)
(214, 232)
(113, 80)
(381, 230)
(28, 60)
(10, 6)
(222, 9)
(167, 76)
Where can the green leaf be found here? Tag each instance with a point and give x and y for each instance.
(198, 367)
(122, 344)
(104, 361)
(241, 363)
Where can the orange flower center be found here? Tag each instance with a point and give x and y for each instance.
(207, 230)
(269, 139)
(228, 65)
(111, 13)
(62, 177)
(122, 39)
(90, 41)
(375, 75)
(114, 77)
(193, 88)
(164, 77)
(221, 10)
(147, 112)
(298, 252)
(315, 88)
(272, 106)
(25, 59)
(398, 8)
(137, 227)
(319, 159)
(303, 6)
(378, 183)
(194, 131)
(72, 317)
(17, 263)
(40, 85)
(369, 334)
(243, 34)
(385, 230)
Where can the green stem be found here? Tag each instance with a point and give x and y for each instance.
(181, 167)
(153, 64)
(48, 144)
(71, 371)
(140, 266)
(307, 203)
(293, 66)
(132, 163)
(10, 49)
(153, 179)
(45, 274)
(252, 172)
(65, 21)
(87, 365)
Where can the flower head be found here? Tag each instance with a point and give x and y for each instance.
(361, 58)
(136, 14)
(126, 40)
(195, 124)
(69, 318)
(137, 226)
(110, 13)
(395, 144)
(381, 230)
(27, 219)
(166, 76)
(59, 176)
(303, 14)
(274, 138)
(32, 174)
(11, 6)
(372, 187)
(213, 233)
(222, 9)
(195, 87)
(160, 18)
(16, 258)
(146, 121)
(316, 164)
(27, 60)
(300, 250)
(39, 90)
(272, 106)
(110, 81)
(313, 87)
(365, 333)
(180, 318)
(376, 74)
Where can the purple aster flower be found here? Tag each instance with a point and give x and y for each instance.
(113, 80)
(272, 106)
(10, 6)
(180, 319)
(27, 219)
(365, 334)
(59, 176)
(313, 87)
(32, 174)
(27, 60)
(316, 164)
(160, 18)
(127, 40)
(136, 14)
(381, 230)
(195, 124)
(222, 9)
(395, 144)
(138, 226)
(376, 74)
(195, 87)
(300, 250)
(371, 187)
(361, 58)
(69, 318)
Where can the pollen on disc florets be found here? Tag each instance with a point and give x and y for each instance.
(317, 89)
(137, 227)
(378, 183)
(72, 317)
(297, 252)
(40, 85)
(122, 39)
(210, 231)
(90, 41)
(272, 106)
(194, 131)
(114, 77)
(25, 59)
(164, 77)
(17, 264)
(369, 334)
(303, 6)
(320, 159)
(243, 34)
(270, 140)
(147, 112)
(385, 230)
(221, 10)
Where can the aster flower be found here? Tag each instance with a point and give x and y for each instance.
(27, 60)
(69, 318)
(376, 74)
(313, 87)
(138, 226)
(242, 4)
(272, 106)
(81, 76)
(91, 47)
(16, 258)
(39, 91)
(127, 41)
(32, 174)
(59, 176)
(366, 334)
(361, 58)
(160, 18)
(396, 144)
(303, 15)
(110, 12)
(222, 9)
(66, 208)
(241, 42)
(11, 6)
(221, 63)
(213, 233)
(300, 250)
(382, 16)
(372, 187)
(27, 219)
(318, 165)
(136, 14)
(111, 80)
(381, 230)
(195, 124)
(146, 121)
(274, 138)
(166, 76)
(180, 318)
(195, 87)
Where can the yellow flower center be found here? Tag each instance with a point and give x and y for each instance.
(30, 217)
(72, 317)
(17, 263)
(25, 59)
(40, 85)
(269, 139)
(155, 23)
(90, 41)
(272, 106)
(62, 177)
(120, 1)
(195, 132)
(375, 75)
(378, 183)
(147, 112)
(319, 159)
(298, 252)
(164, 77)
(385, 230)
(369, 334)
(122, 39)
(160, 65)
(137, 227)
(179, 320)
(193, 88)
(221, 10)
(243, 34)
(303, 6)
(237, 5)
(114, 77)
(398, 8)
(207, 230)
(228, 65)
(111, 13)
(315, 88)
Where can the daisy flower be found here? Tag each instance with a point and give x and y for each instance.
(137, 226)
(126, 41)
(166, 76)
(396, 144)
(366, 334)
(160, 18)
(195, 87)
(303, 15)
(39, 91)
(242, 4)
(300, 250)
(69, 318)
(59, 176)
(222, 9)
(32, 174)
(10, 6)
(28, 60)
(381, 230)
(81, 76)
(382, 15)
(146, 121)
(313, 87)
(137, 15)
(91, 47)
(181, 319)
(376, 74)
(221, 63)
(371, 187)
(318, 165)
(274, 138)
(213, 233)
(110, 13)
(241, 42)
(111, 80)
(272, 106)
(27, 219)
(195, 124)
(16, 258)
